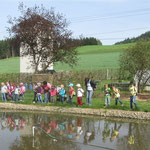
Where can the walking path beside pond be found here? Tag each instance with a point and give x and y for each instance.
(81, 111)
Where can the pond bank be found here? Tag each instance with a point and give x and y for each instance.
(80, 111)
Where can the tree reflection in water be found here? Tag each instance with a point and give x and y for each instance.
(73, 133)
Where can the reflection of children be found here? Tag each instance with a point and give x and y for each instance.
(107, 95)
(115, 132)
(117, 95)
(80, 93)
(106, 131)
(22, 124)
(79, 128)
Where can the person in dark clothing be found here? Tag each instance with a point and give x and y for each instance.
(90, 87)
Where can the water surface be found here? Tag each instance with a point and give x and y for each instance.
(37, 131)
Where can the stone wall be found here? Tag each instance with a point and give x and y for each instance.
(81, 111)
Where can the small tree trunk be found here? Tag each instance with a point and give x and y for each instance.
(138, 86)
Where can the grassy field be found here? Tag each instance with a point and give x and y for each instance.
(96, 57)
(90, 58)
(11, 65)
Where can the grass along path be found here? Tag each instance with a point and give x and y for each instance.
(97, 103)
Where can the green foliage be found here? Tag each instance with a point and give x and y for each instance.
(135, 60)
(4, 48)
(86, 41)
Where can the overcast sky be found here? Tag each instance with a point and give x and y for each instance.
(108, 20)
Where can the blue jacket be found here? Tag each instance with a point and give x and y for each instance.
(62, 92)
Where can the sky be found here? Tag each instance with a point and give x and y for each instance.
(107, 20)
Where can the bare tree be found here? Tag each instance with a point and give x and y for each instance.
(44, 36)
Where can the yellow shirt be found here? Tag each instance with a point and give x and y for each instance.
(133, 90)
(117, 94)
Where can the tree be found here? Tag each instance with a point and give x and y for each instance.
(4, 48)
(136, 60)
(44, 36)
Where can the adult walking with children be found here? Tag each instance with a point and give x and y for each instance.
(90, 87)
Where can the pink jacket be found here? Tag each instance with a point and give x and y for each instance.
(47, 87)
(53, 92)
(22, 89)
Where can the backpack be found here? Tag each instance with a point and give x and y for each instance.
(93, 84)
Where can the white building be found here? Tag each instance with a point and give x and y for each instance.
(26, 65)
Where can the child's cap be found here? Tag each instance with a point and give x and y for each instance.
(71, 84)
(78, 85)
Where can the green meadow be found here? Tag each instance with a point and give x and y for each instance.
(94, 57)
(11, 65)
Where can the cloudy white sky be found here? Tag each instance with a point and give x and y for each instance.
(108, 20)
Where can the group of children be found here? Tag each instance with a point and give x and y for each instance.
(12, 91)
(116, 93)
(51, 93)
(16, 92)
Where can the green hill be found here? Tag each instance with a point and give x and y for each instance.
(96, 57)
(90, 58)
(11, 65)
(144, 36)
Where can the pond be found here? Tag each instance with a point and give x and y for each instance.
(41, 131)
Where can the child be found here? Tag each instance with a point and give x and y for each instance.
(62, 93)
(117, 95)
(17, 92)
(53, 94)
(8, 94)
(107, 95)
(133, 92)
(3, 91)
(71, 93)
(12, 90)
(46, 87)
(80, 93)
(34, 90)
(58, 88)
(22, 91)
(39, 93)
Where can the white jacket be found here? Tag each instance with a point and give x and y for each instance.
(4, 89)
(80, 92)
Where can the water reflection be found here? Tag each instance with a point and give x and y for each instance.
(69, 133)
